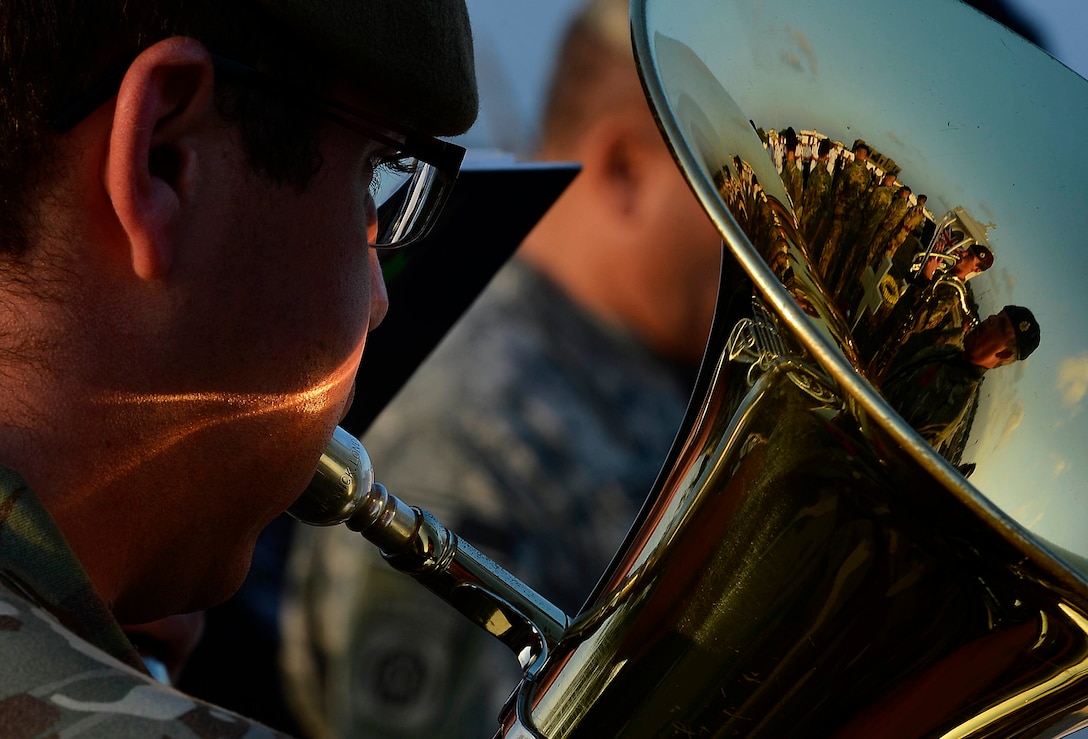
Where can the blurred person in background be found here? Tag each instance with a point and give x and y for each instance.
(536, 429)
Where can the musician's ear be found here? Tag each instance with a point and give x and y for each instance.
(628, 172)
(624, 164)
(164, 106)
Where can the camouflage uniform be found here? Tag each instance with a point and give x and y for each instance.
(910, 222)
(851, 188)
(893, 217)
(534, 432)
(936, 392)
(943, 314)
(937, 315)
(67, 668)
(791, 179)
(862, 252)
(815, 200)
(879, 202)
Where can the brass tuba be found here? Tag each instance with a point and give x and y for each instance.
(825, 553)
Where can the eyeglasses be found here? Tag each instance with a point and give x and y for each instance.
(410, 183)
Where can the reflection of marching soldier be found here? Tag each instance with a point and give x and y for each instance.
(893, 217)
(816, 195)
(879, 201)
(791, 172)
(863, 252)
(936, 390)
(763, 223)
(850, 189)
(911, 221)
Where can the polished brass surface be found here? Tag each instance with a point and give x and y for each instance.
(788, 580)
(415, 542)
(810, 563)
(342, 482)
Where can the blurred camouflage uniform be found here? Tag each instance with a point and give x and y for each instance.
(534, 432)
(66, 667)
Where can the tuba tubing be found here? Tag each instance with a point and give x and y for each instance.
(413, 541)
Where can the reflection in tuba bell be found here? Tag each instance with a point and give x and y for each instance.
(812, 560)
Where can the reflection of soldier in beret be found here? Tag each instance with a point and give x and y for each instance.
(938, 312)
(936, 390)
(977, 259)
(973, 261)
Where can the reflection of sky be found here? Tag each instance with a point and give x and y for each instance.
(980, 121)
(1062, 24)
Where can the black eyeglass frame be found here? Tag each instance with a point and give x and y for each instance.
(443, 156)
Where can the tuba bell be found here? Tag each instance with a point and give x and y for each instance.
(859, 530)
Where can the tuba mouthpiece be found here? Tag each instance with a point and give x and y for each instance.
(413, 541)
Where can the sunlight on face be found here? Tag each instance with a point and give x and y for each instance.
(169, 423)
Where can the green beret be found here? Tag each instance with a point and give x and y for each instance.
(412, 57)
(1026, 328)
